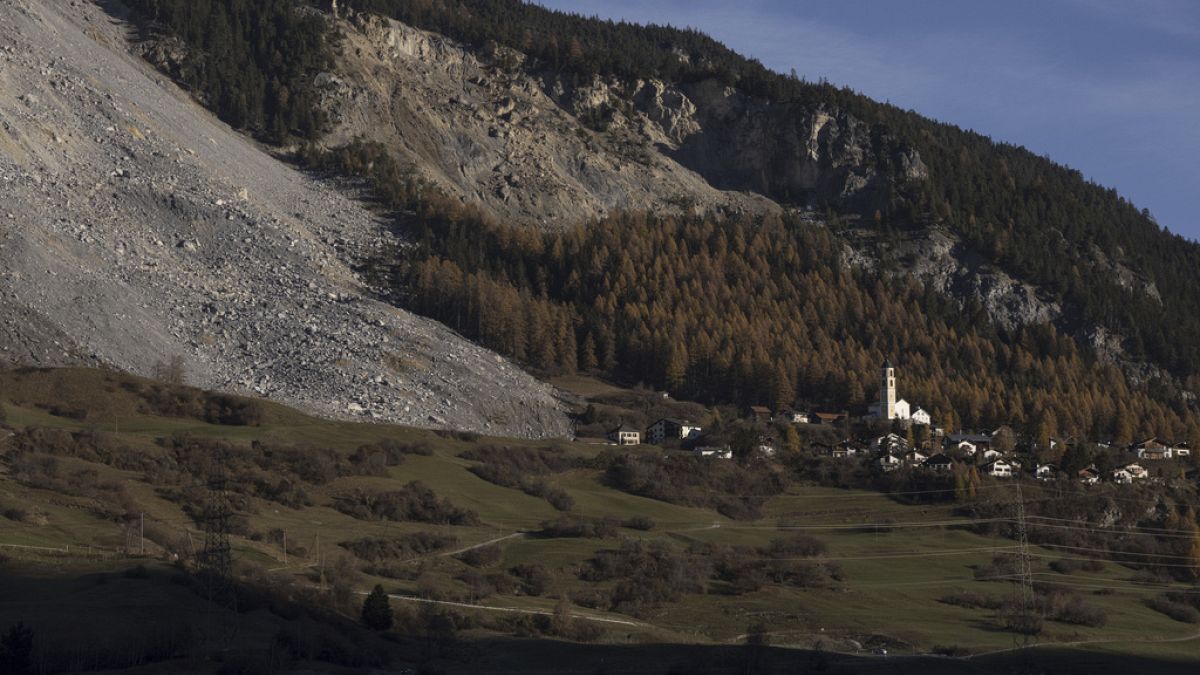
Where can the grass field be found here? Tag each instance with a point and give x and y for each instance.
(895, 572)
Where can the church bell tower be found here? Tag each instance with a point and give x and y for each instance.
(887, 391)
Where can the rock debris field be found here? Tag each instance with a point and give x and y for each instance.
(135, 227)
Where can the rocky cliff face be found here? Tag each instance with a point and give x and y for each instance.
(134, 227)
(940, 261)
(536, 147)
(484, 128)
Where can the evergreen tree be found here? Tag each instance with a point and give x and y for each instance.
(377, 610)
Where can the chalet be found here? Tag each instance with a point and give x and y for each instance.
(625, 435)
(889, 443)
(827, 418)
(889, 463)
(1046, 472)
(939, 462)
(914, 458)
(668, 428)
(999, 469)
(714, 451)
(1122, 477)
(920, 416)
(1089, 475)
(991, 453)
(842, 450)
(792, 416)
(967, 448)
(1137, 471)
(760, 413)
(1152, 449)
(980, 441)
(764, 449)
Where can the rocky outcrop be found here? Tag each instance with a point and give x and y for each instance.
(943, 263)
(517, 142)
(134, 228)
(534, 146)
(794, 152)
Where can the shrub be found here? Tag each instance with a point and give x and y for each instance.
(378, 549)
(970, 600)
(1176, 610)
(796, 546)
(414, 502)
(481, 556)
(691, 481)
(534, 578)
(1075, 610)
(568, 527)
(642, 523)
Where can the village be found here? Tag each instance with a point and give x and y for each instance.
(906, 438)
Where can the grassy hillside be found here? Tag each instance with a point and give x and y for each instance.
(827, 569)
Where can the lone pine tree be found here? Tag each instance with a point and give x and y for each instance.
(377, 610)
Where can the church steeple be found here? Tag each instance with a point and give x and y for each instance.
(887, 391)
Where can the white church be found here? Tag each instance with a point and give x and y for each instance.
(889, 408)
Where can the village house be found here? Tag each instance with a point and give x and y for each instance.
(1121, 477)
(669, 428)
(889, 443)
(714, 451)
(625, 435)
(1137, 471)
(1181, 449)
(969, 444)
(889, 463)
(1089, 475)
(939, 462)
(840, 450)
(792, 416)
(914, 458)
(991, 453)
(1152, 449)
(829, 418)
(1046, 472)
(920, 416)
(999, 469)
(760, 413)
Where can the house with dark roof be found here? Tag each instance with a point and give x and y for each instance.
(671, 428)
(625, 435)
(939, 462)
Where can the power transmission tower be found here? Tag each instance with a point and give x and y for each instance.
(1028, 622)
(216, 560)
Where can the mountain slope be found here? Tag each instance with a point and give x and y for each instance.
(135, 228)
(1109, 267)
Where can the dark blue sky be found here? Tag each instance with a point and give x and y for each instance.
(1109, 87)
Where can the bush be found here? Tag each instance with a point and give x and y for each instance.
(970, 600)
(415, 502)
(796, 546)
(1176, 610)
(481, 556)
(379, 549)
(1069, 565)
(643, 523)
(1075, 610)
(692, 481)
(534, 578)
(568, 527)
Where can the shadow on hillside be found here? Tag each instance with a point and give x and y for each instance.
(137, 619)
